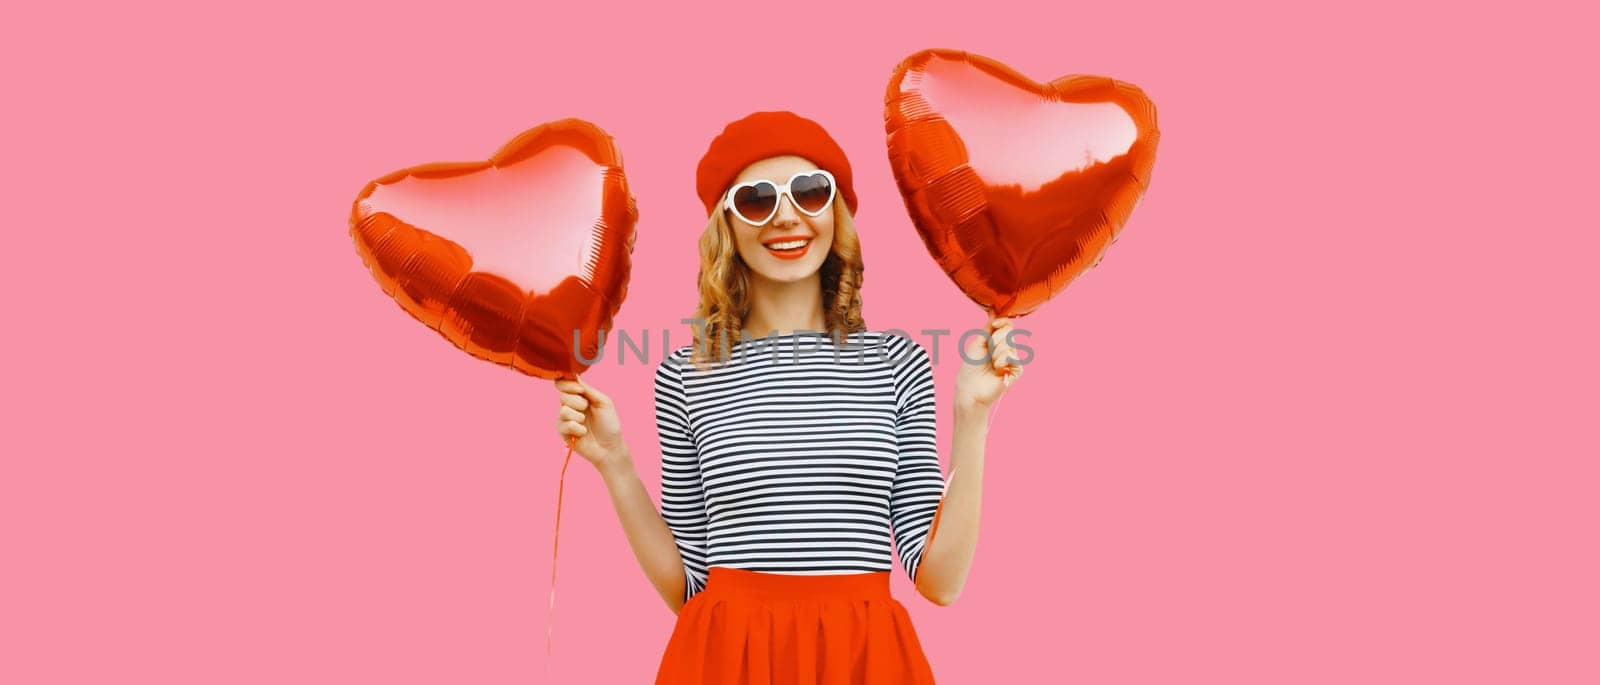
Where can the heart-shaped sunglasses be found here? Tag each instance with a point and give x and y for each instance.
(756, 202)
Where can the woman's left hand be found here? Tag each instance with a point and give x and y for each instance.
(980, 384)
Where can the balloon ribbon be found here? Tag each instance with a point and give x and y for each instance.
(549, 625)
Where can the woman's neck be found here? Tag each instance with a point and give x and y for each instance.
(782, 308)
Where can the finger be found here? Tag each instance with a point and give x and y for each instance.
(570, 414)
(578, 402)
(999, 323)
(569, 385)
(1002, 357)
(977, 348)
(573, 428)
(1004, 335)
(1001, 348)
(596, 397)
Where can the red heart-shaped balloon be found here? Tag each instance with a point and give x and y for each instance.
(522, 259)
(1016, 187)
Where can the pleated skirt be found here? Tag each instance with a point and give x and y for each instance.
(752, 628)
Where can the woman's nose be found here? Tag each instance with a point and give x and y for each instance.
(787, 213)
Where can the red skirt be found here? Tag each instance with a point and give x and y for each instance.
(751, 628)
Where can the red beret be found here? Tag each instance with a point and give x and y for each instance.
(769, 134)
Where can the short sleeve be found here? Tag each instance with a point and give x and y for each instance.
(682, 493)
(919, 481)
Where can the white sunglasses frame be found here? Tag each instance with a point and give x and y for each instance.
(783, 191)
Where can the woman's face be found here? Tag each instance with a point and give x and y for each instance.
(769, 249)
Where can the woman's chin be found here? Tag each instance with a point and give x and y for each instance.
(786, 270)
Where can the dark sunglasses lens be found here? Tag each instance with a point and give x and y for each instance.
(754, 203)
(812, 192)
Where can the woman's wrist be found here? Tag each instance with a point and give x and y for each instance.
(972, 411)
(617, 469)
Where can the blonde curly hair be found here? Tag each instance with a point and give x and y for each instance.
(724, 281)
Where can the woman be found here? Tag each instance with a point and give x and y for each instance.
(795, 443)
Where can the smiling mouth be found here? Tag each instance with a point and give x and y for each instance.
(782, 245)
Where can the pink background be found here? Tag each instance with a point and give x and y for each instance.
(1325, 413)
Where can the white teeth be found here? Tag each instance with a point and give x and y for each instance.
(789, 244)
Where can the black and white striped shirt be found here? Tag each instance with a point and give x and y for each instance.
(799, 455)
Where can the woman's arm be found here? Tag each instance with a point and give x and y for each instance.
(647, 532)
(589, 418)
(947, 556)
(953, 539)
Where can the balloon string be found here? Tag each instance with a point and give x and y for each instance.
(549, 620)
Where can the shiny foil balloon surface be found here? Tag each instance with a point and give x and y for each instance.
(507, 258)
(1016, 187)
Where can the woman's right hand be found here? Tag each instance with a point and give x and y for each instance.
(589, 416)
